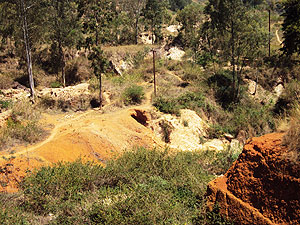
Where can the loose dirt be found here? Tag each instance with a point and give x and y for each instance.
(262, 187)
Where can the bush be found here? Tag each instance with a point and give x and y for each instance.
(22, 126)
(166, 105)
(133, 95)
(221, 83)
(255, 120)
(56, 84)
(194, 101)
(4, 104)
(140, 187)
(49, 187)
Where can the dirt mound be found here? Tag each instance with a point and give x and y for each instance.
(262, 187)
(90, 136)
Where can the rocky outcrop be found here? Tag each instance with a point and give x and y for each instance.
(262, 187)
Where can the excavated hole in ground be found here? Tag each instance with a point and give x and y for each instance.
(141, 117)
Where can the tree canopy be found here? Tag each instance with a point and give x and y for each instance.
(291, 27)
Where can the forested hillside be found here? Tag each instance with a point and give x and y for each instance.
(205, 73)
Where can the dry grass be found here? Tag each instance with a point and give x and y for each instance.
(127, 49)
(22, 126)
(5, 81)
(292, 138)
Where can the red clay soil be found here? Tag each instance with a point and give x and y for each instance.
(262, 187)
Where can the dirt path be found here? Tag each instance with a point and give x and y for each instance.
(278, 38)
(94, 135)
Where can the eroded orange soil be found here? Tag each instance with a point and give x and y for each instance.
(90, 135)
(262, 187)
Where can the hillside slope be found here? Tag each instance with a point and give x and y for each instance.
(91, 135)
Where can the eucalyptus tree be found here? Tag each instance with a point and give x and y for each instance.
(134, 10)
(96, 16)
(191, 19)
(154, 14)
(63, 31)
(22, 23)
(237, 33)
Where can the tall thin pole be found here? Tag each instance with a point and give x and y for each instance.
(269, 33)
(154, 76)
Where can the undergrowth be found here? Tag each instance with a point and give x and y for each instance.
(22, 126)
(140, 187)
(292, 138)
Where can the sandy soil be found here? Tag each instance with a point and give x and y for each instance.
(91, 135)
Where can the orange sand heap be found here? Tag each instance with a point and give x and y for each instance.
(262, 187)
(90, 136)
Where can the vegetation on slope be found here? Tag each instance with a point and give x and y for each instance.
(140, 187)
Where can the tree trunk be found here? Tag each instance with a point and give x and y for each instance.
(233, 60)
(63, 64)
(100, 91)
(27, 48)
(136, 30)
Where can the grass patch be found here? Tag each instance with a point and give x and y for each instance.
(22, 126)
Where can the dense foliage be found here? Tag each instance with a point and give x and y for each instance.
(291, 27)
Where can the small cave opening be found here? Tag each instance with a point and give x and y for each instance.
(141, 117)
(95, 103)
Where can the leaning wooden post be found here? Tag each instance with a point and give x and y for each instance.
(154, 77)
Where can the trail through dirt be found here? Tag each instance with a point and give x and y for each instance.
(94, 135)
(278, 38)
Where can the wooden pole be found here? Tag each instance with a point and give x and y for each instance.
(269, 33)
(154, 76)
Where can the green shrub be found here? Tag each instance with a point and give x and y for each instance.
(166, 131)
(4, 104)
(166, 105)
(195, 101)
(49, 187)
(140, 187)
(56, 84)
(133, 95)
(254, 119)
(221, 83)
(12, 216)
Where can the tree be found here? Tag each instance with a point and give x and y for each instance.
(239, 35)
(190, 18)
(20, 22)
(99, 64)
(96, 16)
(134, 9)
(63, 30)
(179, 4)
(291, 27)
(154, 13)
